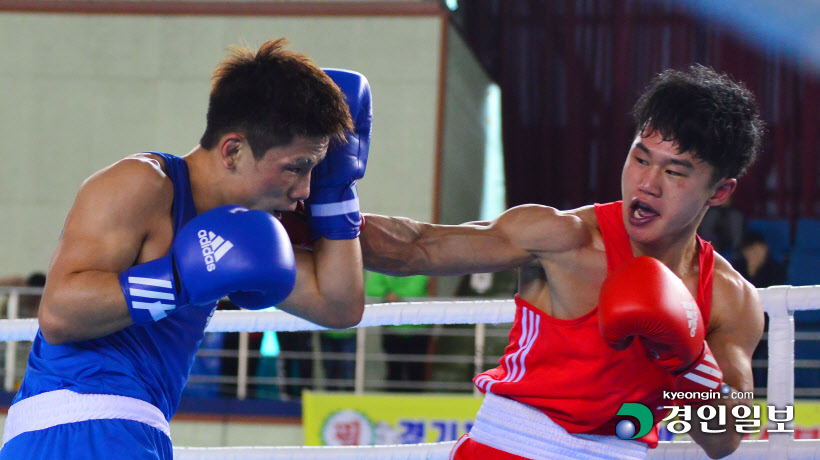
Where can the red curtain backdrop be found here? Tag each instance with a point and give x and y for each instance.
(570, 70)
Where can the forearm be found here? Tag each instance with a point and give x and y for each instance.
(402, 247)
(389, 245)
(329, 287)
(718, 438)
(82, 306)
(339, 277)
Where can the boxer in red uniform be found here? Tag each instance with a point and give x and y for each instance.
(633, 302)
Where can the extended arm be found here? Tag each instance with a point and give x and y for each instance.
(401, 246)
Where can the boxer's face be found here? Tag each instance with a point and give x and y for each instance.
(665, 192)
(281, 178)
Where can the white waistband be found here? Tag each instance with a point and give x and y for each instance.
(64, 406)
(527, 432)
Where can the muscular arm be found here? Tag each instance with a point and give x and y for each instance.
(400, 246)
(329, 287)
(103, 236)
(735, 329)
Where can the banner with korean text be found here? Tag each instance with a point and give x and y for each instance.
(346, 419)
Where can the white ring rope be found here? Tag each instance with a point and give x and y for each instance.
(383, 314)
(779, 302)
(776, 301)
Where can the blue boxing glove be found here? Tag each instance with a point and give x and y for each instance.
(228, 250)
(333, 205)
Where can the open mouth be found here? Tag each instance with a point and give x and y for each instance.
(642, 212)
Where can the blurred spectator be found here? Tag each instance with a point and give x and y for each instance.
(755, 263)
(723, 227)
(401, 340)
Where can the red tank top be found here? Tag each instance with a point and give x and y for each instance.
(564, 368)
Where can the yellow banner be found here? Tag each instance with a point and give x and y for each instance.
(345, 419)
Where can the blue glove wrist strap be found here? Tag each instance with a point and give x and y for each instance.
(337, 215)
(149, 290)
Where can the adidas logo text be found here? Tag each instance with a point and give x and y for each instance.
(213, 248)
(691, 310)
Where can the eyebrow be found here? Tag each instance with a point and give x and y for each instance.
(303, 161)
(682, 163)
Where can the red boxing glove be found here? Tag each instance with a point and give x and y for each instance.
(644, 299)
(296, 224)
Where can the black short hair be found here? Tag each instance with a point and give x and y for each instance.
(705, 113)
(271, 95)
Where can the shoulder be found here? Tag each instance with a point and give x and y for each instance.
(735, 301)
(141, 176)
(141, 169)
(729, 284)
(135, 187)
(543, 228)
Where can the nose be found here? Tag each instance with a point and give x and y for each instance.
(301, 190)
(650, 181)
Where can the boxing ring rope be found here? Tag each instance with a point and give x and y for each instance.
(779, 302)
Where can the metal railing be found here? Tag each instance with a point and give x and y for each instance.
(12, 311)
(366, 363)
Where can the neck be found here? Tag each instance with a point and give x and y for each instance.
(680, 256)
(204, 174)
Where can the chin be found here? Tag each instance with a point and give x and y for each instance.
(643, 236)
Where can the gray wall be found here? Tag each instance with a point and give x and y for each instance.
(462, 169)
(464, 135)
(79, 92)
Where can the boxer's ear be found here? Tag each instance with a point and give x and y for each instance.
(229, 148)
(723, 190)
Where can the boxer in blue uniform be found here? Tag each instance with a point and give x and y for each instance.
(154, 241)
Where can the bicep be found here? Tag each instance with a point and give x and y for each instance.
(104, 230)
(93, 244)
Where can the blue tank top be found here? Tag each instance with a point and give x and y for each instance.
(150, 362)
